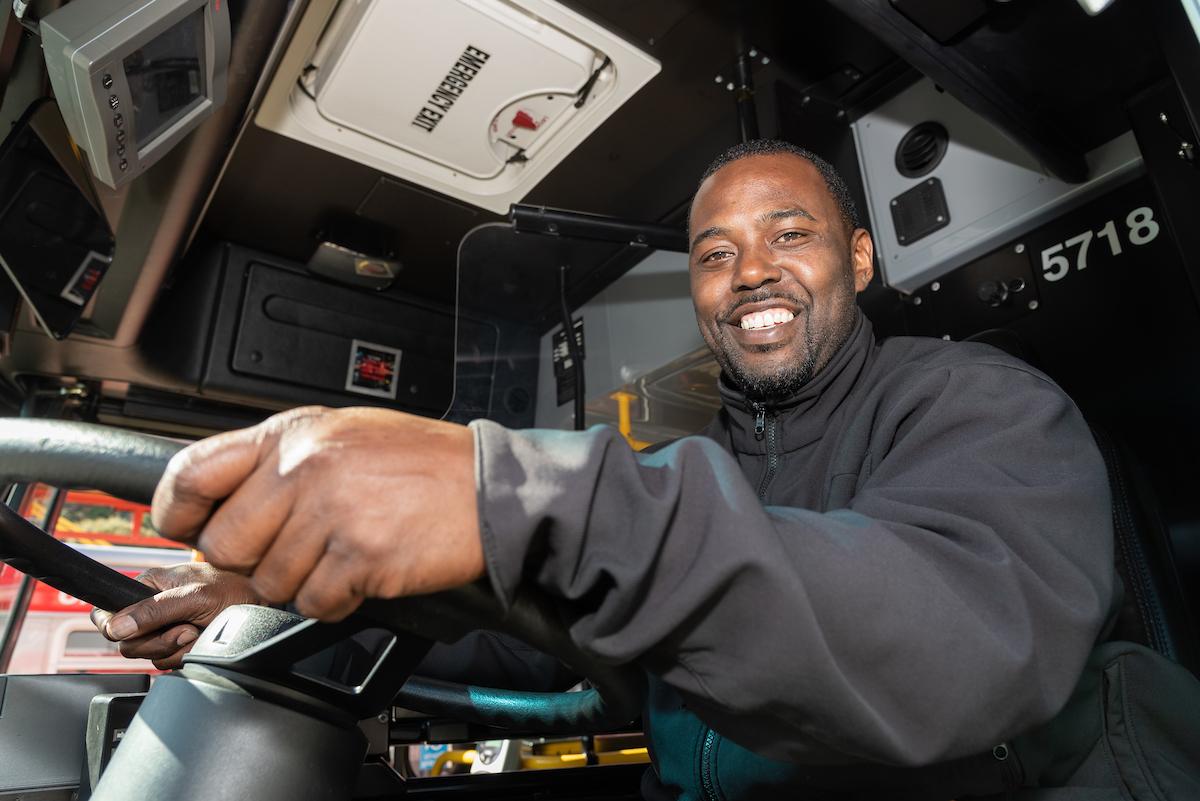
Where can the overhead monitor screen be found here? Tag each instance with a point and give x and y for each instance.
(166, 77)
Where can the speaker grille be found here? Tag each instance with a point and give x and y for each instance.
(921, 149)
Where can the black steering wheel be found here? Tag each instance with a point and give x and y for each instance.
(129, 465)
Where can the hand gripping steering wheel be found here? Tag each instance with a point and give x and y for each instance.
(241, 671)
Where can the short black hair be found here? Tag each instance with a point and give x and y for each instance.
(772, 147)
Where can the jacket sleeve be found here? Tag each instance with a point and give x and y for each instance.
(950, 606)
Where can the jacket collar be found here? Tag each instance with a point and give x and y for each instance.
(803, 417)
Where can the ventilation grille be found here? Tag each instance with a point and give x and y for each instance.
(921, 149)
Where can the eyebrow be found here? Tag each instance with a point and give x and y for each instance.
(770, 216)
(708, 233)
(784, 214)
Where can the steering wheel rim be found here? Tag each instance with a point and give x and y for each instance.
(129, 465)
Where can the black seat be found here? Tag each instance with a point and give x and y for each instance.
(1154, 610)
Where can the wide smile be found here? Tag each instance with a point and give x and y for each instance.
(763, 323)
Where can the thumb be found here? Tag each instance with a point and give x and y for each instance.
(171, 606)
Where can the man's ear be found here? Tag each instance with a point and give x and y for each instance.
(862, 258)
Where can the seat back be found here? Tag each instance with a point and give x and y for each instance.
(1154, 609)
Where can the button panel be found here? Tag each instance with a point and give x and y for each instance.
(112, 91)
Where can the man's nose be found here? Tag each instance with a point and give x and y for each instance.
(753, 269)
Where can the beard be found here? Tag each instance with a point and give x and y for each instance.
(767, 385)
(814, 348)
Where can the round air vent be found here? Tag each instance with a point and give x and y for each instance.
(921, 149)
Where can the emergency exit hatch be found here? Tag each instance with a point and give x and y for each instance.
(478, 99)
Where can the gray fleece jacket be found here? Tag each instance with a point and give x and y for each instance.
(906, 563)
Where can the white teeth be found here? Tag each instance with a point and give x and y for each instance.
(766, 319)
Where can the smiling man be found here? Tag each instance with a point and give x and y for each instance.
(774, 282)
(878, 565)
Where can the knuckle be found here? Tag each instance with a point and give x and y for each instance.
(316, 600)
(221, 552)
(181, 476)
(269, 588)
(153, 576)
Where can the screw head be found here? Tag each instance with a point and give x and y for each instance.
(753, 53)
(719, 79)
(1019, 248)
(935, 286)
(917, 300)
(1033, 304)
(765, 61)
(729, 86)
(946, 337)
(940, 218)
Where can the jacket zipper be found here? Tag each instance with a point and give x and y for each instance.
(706, 766)
(760, 427)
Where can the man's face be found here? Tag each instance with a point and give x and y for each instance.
(774, 272)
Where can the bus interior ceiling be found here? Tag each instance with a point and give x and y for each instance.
(1060, 204)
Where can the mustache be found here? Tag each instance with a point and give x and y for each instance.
(759, 297)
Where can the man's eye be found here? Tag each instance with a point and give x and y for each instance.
(715, 255)
(791, 236)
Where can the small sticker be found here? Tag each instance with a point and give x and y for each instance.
(83, 283)
(373, 369)
(373, 268)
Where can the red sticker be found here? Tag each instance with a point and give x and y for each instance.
(373, 369)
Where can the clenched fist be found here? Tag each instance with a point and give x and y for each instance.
(326, 507)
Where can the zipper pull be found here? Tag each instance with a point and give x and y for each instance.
(760, 420)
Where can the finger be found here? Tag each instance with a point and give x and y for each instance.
(100, 618)
(161, 645)
(199, 476)
(242, 529)
(293, 555)
(207, 471)
(330, 592)
(160, 578)
(168, 576)
(187, 604)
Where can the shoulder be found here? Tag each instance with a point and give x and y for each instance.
(933, 360)
(960, 380)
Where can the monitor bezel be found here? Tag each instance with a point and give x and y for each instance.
(93, 48)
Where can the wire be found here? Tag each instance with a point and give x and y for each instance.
(303, 87)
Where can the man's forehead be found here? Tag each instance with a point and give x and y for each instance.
(780, 178)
